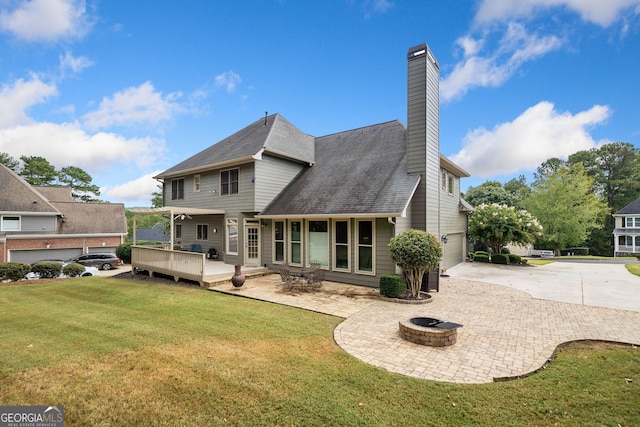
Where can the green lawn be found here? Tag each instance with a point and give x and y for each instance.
(117, 352)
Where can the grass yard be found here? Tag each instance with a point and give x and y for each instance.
(119, 352)
(633, 268)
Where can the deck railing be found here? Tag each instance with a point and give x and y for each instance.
(179, 264)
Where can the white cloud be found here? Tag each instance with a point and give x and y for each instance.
(514, 49)
(67, 144)
(134, 105)
(228, 80)
(19, 96)
(536, 135)
(75, 64)
(600, 12)
(138, 190)
(46, 20)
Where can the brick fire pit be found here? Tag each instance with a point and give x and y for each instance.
(429, 331)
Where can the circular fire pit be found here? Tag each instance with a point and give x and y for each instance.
(429, 331)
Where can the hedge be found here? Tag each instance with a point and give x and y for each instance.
(500, 259)
(392, 285)
(13, 270)
(47, 270)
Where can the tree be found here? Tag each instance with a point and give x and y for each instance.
(156, 197)
(489, 192)
(38, 171)
(10, 162)
(565, 205)
(498, 225)
(416, 252)
(547, 168)
(518, 188)
(80, 183)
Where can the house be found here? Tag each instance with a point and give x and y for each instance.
(38, 223)
(626, 232)
(271, 194)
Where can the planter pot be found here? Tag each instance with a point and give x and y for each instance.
(238, 278)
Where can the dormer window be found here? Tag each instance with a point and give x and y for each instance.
(229, 182)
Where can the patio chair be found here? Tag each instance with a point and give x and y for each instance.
(195, 248)
(316, 276)
(212, 254)
(289, 282)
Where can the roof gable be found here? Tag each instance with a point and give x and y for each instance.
(17, 195)
(272, 134)
(632, 208)
(357, 172)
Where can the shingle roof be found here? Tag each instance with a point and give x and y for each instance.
(632, 208)
(92, 218)
(55, 194)
(357, 172)
(17, 195)
(277, 136)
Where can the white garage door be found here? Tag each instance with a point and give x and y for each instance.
(31, 256)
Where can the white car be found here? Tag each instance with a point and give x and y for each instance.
(88, 271)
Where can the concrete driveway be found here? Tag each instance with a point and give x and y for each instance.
(593, 284)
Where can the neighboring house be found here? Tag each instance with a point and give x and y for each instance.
(626, 233)
(39, 223)
(271, 194)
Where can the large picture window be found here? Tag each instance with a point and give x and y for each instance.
(341, 258)
(319, 242)
(278, 241)
(232, 236)
(229, 182)
(365, 246)
(177, 189)
(202, 232)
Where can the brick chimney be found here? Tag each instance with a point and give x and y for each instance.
(423, 135)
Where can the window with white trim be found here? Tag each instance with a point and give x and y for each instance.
(278, 241)
(229, 182)
(295, 242)
(630, 222)
(341, 245)
(318, 238)
(202, 232)
(232, 236)
(196, 183)
(11, 223)
(365, 246)
(450, 184)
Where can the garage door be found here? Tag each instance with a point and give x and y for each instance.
(29, 257)
(102, 250)
(453, 250)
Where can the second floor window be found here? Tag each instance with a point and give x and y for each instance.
(10, 223)
(196, 183)
(229, 182)
(177, 189)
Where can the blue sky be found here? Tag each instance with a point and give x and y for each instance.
(125, 89)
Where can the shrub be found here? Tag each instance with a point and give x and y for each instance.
(13, 270)
(47, 270)
(482, 253)
(73, 270)
(392, 285)
(500, 259)
(123, 251)
(505, 251)
(516, 259)
(480, 257)
(575, 251)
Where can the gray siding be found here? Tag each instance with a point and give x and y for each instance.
(38, 224)
(272, 175)
(209, 196)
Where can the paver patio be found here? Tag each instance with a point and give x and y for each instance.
(506, 333)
